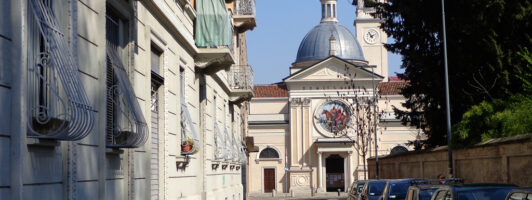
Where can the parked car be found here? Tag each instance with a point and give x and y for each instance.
(421, 192)
(373, 190)
(356, 189)
(397, 189)
(482, 191)
(520, 194)
(425, 188)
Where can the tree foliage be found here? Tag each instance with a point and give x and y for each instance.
(499, 118)
(482, 40)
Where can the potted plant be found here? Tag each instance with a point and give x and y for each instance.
(187, 145)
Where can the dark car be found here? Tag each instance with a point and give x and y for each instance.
(373, 190)
(356, 189)
(520, 194)
(473, 192)
(421, 192)
(397, 189)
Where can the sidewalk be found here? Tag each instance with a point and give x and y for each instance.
(268, 196)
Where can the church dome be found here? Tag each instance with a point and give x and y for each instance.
(316, 44)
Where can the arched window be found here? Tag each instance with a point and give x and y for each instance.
(398, 150)
(268, 152)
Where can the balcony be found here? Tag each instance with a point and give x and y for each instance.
(244, 15)
(217, 57)
(240, 79)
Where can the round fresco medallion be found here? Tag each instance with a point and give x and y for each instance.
(333, 116)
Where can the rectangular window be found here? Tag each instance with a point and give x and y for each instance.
(125, 125)
(58, 106)
(190, 141)
(328, 10)
(182, 84)
(156, 60)
(334, 10)
(112, 36)
(41, 74)
(323, 13)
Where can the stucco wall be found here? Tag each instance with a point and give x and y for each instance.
(277, 141)
(87, 169)
(508, 162)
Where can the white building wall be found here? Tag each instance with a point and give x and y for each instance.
(87, 169)
(220, 183)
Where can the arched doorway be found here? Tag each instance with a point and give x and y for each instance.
(334, 173)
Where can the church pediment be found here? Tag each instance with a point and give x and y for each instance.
(333, 69)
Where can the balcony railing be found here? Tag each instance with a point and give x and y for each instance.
(241, 77)
(245, 7)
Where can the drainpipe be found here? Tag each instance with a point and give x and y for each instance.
(375, 122)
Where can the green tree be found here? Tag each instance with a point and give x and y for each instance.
(499, 118)
(483, 37)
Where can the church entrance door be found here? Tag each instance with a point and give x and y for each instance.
(334, 173)
(269, 180)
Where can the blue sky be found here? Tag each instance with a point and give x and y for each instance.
(281, 25)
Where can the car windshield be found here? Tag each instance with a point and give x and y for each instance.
(426, 194)
(399, 189)
(484, 194)
(376, 188)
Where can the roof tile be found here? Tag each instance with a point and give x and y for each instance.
(273, 90)
(392, 88)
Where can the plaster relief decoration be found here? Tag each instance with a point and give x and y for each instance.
(330, 72)
(299, 101)
(332, 118)
(300, 180)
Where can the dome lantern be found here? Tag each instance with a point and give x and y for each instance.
(328, 11)
(328, 38)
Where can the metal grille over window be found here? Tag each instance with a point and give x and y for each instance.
(58, 107)
(245, 7)
(243, 157)
(231, 146)
(190, 142)
(228, 155)
(220, 145)
(236, 149)
(189, 134)
(269, 153)
(241, 152)
(126, 126)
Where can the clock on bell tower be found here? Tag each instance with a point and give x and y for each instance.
(371, 37)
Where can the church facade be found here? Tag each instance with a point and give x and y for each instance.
(315, 128)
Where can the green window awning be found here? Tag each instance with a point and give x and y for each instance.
(213, 24)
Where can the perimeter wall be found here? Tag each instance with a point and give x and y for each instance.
(503, 160)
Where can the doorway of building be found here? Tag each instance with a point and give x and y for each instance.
(269, 180)
(334, 173)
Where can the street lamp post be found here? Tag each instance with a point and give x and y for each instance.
(447, 106)
(375, 122)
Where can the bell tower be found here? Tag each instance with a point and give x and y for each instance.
(371, 37)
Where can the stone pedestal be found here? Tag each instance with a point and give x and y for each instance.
(300, 181)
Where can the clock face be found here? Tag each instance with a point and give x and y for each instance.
(371, 36)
